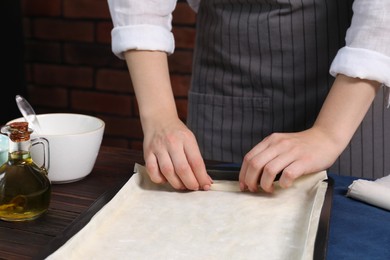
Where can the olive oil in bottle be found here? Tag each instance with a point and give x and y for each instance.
(25, 189)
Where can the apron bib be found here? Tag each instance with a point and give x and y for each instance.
(261, 67)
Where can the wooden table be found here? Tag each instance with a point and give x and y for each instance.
(72, 204)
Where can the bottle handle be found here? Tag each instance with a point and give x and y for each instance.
(46, 150)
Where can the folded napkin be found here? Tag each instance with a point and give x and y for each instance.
(149, 221)
(376, 192)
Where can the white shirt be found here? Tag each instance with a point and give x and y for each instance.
(147, 25)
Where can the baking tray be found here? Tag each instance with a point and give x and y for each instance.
(217, 172)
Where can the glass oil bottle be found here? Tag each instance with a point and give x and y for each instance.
(25, 189)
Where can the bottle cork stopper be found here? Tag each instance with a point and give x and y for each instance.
(19, 132)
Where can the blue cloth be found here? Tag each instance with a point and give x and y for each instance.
(357, 230)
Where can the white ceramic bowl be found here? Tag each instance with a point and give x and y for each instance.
(74, 143)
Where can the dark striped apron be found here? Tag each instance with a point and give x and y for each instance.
(261, 66)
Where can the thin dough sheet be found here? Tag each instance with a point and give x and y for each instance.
(149, 221)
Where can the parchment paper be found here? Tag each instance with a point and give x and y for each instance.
(149, 221)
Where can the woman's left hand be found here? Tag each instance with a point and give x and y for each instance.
(292, 154)
(315, 149)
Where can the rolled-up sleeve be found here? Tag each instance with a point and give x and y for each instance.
(367, 51)
(141, 25)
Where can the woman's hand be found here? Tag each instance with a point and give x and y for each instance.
(172, 154)
(313, 150)
(292, 154)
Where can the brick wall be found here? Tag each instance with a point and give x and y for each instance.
(70, 66)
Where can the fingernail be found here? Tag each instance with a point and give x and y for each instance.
(206, 187)
(286, 184)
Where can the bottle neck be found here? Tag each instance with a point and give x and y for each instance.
(19, 150)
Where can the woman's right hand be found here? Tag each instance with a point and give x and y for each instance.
(172, 155)
(171, 152)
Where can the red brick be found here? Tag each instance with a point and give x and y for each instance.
(103, 32)
(63, 75)
(182, 109)
(101, 103)
(135, 107)
(91, 54)
(68, 47)
(41, 7)
(114, 80)
(184, 37)
(63, 30)
(180, 85)
(86, 9)
(51, 97)
(180, 62)
(183, 14)
(42, 52)
(123, 127)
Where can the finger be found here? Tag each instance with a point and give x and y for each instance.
(290, 163)
(242, 175)
(184, 171)
(198, 167)
(167, 169)
(292, 172)
(248, 160)
(153, 170)
(271, 170)
(255, 170)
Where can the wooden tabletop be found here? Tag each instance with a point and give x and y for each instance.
(69, 203)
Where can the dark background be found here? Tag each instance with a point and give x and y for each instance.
(12, 58)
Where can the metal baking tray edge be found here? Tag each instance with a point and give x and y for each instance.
(321, 241)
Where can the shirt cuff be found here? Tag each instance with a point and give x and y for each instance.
(141, 37)
(362, 63)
